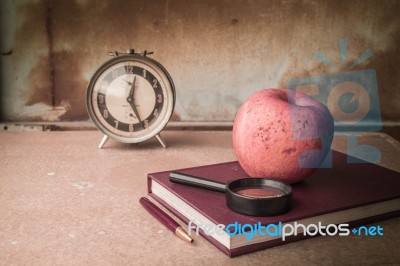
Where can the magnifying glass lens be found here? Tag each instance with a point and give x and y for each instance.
(259, 191)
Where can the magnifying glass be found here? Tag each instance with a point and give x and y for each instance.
(250, 196)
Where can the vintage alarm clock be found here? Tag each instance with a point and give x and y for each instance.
(130, 98)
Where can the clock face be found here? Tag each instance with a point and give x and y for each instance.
(130, 98)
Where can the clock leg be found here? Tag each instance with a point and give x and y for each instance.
(158, 136)
(103, 141)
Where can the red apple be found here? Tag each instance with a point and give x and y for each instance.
(282, 134)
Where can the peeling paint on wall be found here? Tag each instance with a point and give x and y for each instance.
(217, 52)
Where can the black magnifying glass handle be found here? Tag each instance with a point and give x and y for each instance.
(195, 181)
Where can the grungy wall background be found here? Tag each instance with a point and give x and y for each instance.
(217, 52)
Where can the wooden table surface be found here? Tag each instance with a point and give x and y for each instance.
(63, 201)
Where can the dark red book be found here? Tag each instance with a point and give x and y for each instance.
(348, 193)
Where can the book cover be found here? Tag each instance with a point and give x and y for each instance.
(336, 195)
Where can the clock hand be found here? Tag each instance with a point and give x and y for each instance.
(130, 100)
(132, 87)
